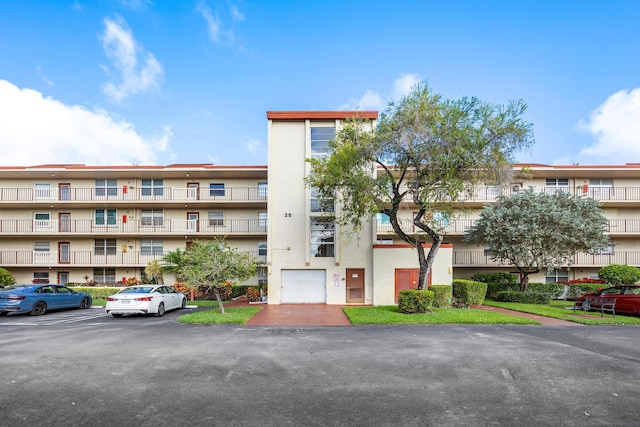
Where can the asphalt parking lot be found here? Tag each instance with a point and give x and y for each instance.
(154, 371)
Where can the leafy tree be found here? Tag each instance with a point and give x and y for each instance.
(154, 271)
(534, 230)
(214, 263)
(171, 262)
(428, 151)
(6, 279)
(618, 274)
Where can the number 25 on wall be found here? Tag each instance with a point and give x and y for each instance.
(287, 214)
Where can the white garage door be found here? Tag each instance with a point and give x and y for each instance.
(304, 286)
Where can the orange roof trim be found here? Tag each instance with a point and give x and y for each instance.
(301, 115)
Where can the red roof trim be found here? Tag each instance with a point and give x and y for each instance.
(301, 115)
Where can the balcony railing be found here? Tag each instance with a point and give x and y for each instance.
(460, 226)
(126, 194)
(482, 259)
(89, 258)
(151, 226)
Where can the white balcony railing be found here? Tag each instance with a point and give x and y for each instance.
(482, 259)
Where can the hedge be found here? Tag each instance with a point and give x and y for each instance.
(580, 289)
(555, 290)
(528, 297)
(415, 301)
(442, 295)
(98, 293)
(495, 277)
(493, 288)
(469, 291)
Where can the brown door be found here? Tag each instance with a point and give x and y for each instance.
(407, 278)
(355, 285)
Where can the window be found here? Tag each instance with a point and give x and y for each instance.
(558, 275)
(442, 219)
(553, 185)
(262, 248)
(320, 138)
(262, 190)
(43, 191)
(151, 247)
(319, 204)
(216, 219)
(262, 219)
(384, 241)
(106, 187)
(322, 241)
(104, 246)
(41, 246)
(601, 188)
(152, 187)
(104, 275)
(151, 217)
(42, 221)
(40, 277)
(105, 217)
(216, 189)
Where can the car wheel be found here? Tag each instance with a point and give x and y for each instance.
(3, 313)
(160, 312)
(586, 305)
(39, 308)
(85, 303)
(184, 303)
(116, 314)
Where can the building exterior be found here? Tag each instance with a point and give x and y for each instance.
(72, 223)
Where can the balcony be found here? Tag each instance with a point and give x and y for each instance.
(89, 259)
(459, 226)
(132, 194)
(482, 259)
(168, 227)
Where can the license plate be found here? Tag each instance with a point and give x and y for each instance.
(125, 301)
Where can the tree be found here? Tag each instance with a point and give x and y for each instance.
(535, 230)
(154, 271)
(6, 279)
(619, 274)
(214, 263)
(429, 152)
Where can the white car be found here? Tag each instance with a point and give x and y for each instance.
(145, 299)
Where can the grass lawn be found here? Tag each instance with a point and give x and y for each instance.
(558, 310)
(233, 315)
(390, 315)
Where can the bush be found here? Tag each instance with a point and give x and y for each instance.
(619, 274)
(555, 290)
(415, 301)
(528, 297)
(580, 289)
(493, 288)
(495, 277)
(6, 279)
(469, 291)
(442, 295)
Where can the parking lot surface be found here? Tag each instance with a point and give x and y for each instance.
(154, 371)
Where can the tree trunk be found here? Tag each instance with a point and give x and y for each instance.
(524, 282)
(216, 290)
(427, 262)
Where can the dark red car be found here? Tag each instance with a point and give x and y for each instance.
(627, 299)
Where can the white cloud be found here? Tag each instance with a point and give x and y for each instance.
(615, 126)
(37, 130)
(220, 22)
(137, 70)
(372, 100)
(254, 146)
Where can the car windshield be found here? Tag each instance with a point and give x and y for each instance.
(137, 290)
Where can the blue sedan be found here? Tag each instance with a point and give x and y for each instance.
(38, 299)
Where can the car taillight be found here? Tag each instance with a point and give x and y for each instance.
(144, 299)
(110, 299)
(16, 298)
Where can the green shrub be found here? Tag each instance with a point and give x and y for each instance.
(442, 295)
(6, 279)
(493, 288)
(528, 297)
(619, 274)
(238, 291)
(495, 277)
(555, 290)
(469, 291)
(580, 289)
(97, 293)
(415, 301)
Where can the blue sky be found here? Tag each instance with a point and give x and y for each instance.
(119, 82)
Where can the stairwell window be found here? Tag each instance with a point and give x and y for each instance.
(320, 137)
(322, 236)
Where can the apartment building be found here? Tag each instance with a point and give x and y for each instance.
(65, 223)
